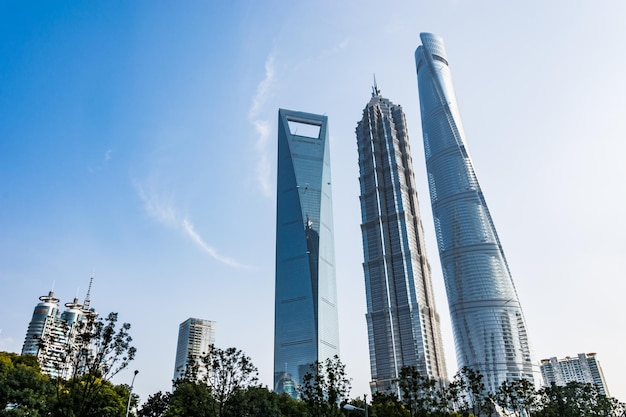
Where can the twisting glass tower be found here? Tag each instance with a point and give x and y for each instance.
(488, 324)
(306, 327)
(402, 322)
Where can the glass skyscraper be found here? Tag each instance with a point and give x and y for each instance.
(402, 322)
(306, 327)
(488, 324)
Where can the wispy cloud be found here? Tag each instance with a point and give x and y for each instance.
(157, 205)
(343, 44)
(191, 232)
(107, 157)
(160, 207)
(262, 126)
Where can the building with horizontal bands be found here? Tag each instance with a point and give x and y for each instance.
(584, 368)
(195, 336)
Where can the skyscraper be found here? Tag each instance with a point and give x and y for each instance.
(194, 338)
(402, 322)
(583, 368)
(306, 298)
(488, 324)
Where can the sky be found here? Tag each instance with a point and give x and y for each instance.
(138, 147)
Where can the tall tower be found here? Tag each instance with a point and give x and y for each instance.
(45, 317)
(488, 324)
(402, 322)
(194, 338)
(306, 327)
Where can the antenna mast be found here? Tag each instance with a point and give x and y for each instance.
(87, 297)
(375, 89)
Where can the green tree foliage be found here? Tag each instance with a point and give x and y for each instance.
(467, 391)
(324, 387)
(156, 405)
(577, 400)
(222, 376)
(230, 372)
(387, 405)
(100, 349)
(24, 391)
(518, 397)
(259, 401)
(419, 394)
(97, 352)
(191, 399)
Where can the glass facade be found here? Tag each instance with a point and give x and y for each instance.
(402, 322)
(488, 324)
(305, 322)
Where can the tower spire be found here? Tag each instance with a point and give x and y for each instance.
(87, 297)
(375, 89)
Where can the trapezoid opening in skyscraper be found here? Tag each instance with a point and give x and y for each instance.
(306, 328)
(488, 325)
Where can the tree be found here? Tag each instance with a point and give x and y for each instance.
(191, 399)
(387, 405)
(23, 389)
(577, 400)
(419, 394)
(96, 353)
(468, 393)
(324, 387)
(224, 373)
(156, 405)
(517, 396)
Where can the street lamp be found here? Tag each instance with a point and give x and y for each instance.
(130, 392)
(351, 407)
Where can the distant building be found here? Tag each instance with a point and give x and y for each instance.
(194, 338)
(51, 334)
(584, 368)
(402, 321)
(306, 328)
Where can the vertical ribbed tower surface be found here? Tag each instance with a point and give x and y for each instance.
(306, 328)
(488, 324)
(402, 322)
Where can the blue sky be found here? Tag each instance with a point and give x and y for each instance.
(138, 146)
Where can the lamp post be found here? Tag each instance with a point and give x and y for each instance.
(351, 407)
(130, 392)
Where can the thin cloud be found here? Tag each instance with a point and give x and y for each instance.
(195, 237)
(159, 207)
(262, 127)
(336, 48)
(107, 157)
